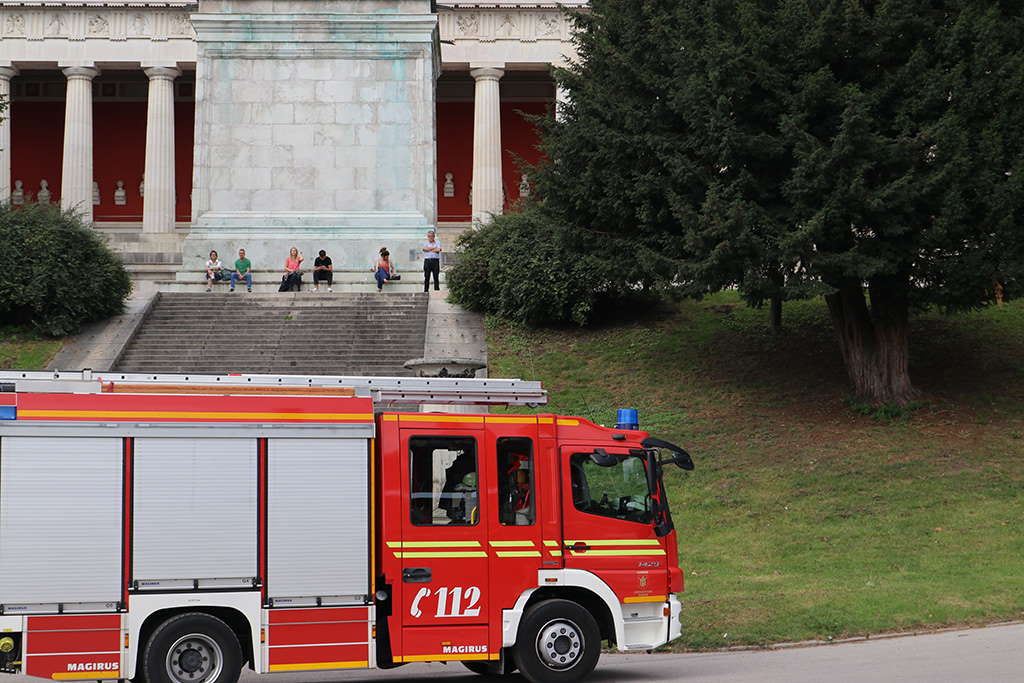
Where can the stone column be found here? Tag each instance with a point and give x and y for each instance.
(76, 174)
(6, 74)
(488, 192)
(158, 204)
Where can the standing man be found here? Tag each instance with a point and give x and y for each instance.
(431, 261)
(243, 269)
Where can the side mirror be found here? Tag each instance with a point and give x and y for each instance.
(682, 460)
(602, 458)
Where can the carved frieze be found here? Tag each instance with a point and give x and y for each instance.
(493, 25)
(96, 23)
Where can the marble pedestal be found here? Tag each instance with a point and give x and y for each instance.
(315, 128)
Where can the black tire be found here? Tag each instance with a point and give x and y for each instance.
(192, 648)
(566, 634)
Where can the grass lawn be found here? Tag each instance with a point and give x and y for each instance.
(22, 348)
(806, 517)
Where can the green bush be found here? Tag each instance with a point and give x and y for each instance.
(56, 273)
(526, 267)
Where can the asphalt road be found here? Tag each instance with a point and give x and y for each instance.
(989, 655)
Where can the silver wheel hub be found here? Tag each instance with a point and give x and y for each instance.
(195, 658)
(560, 644)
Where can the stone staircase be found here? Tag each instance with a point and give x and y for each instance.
(296, 333)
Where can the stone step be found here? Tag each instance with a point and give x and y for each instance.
(359, 334)
(404, 287)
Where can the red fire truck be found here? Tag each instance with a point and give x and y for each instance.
(174, 528)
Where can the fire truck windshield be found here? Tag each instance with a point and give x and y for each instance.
(616, 487)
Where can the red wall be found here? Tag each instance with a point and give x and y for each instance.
(455, 152)
(519, 138)
(37, 145)
(184, 140)
(119, 153)
(119, 144)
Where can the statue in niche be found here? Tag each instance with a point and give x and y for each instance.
(56, 25)
(95, 193)
(449, 185)
(18, 194)
(120, 196)
(524, 186)
(98, 25)
(43, 197)
(142, 186)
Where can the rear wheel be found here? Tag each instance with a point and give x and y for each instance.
(558, 642)
(192, 648)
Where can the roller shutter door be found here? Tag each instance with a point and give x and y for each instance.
(194, 516)
(318, 519)
(61, 520)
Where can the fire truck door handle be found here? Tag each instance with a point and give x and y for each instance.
(417, 575)
(578, 547)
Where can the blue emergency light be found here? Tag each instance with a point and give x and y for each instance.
(8, 413)
(627, 418)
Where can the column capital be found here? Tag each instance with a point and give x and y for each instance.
(487, 73)
(8, 72)
(86, 73)
(166, 73)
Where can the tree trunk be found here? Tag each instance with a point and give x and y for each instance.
(776, 314)
(874, 342)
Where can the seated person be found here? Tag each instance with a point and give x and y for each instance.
(292, 272)
(384, 270)
(243, 270)
(323, 271)
(214, 271)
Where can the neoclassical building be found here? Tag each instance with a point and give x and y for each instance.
(103, 111)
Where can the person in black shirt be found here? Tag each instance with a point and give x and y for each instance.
(323, 271)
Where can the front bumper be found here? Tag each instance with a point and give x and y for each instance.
(675, 619)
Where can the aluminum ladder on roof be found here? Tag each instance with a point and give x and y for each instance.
(383, 390)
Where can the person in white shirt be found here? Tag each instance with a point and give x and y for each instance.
(431, 260)
(214, 271)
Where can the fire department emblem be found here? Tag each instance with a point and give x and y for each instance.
(643, 582)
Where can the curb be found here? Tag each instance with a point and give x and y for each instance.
(857, 639)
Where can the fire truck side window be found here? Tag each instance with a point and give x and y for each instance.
(444, 487)
(515, 481)
(618, 491)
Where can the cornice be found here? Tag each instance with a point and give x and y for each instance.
(136, 4)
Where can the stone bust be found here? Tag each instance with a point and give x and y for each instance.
(120, 196)
(449, 185)
(18, 194)
(44, 192)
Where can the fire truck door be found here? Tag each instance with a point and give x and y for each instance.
(443, 549)
(516, 548)
(608, 526)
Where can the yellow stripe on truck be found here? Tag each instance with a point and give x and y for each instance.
(648, 598)
(617, 553)
(627, 541)
(518, 553)
(433, 544)
(85, 675)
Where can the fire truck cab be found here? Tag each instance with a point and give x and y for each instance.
(176, 528)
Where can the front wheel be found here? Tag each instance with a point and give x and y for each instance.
(558, 642)
(192, 648)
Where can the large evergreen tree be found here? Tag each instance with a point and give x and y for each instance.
(869, 151)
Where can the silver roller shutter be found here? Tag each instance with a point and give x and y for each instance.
(60, 519)
(318, 519)
(194, 512)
